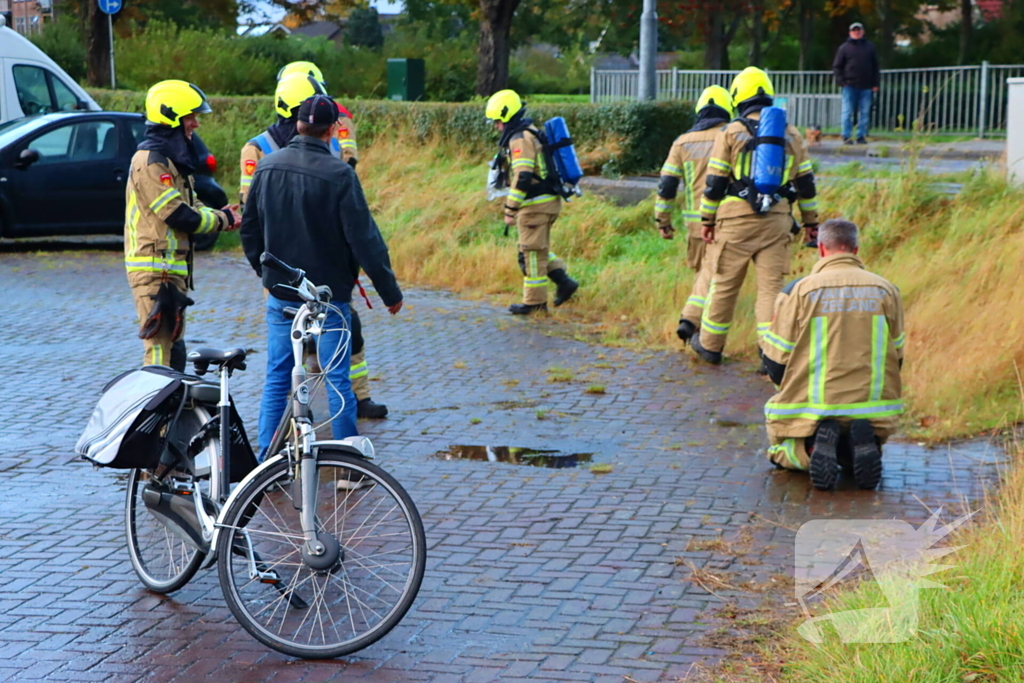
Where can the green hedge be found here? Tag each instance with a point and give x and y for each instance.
(642, 133)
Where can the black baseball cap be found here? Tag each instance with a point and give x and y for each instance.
(318, 110)
(855, 25)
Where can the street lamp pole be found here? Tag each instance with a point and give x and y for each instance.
(648, 86)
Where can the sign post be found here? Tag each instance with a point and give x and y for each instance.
(110, 8)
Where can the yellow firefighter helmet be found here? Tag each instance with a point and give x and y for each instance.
(751, 82)
(308, 68)
(718, 96)
(293, 90)
(168, 101)
(503, 105)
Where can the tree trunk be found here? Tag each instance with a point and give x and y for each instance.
(495, 26)
(886, 40)
(806, 34)
(716, 50)
(98, 47)
(756, 34)
(966, 27)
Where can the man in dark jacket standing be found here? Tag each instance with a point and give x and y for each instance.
(856, 70)
(307, 208)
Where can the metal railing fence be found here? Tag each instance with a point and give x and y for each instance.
(956, 99)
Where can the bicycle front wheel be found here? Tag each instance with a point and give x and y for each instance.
(312, 609)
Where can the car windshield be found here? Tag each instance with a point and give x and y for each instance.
(12, 131)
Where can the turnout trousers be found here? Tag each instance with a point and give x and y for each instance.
(696, 250)
(535, 258)
(162, 349)
(759, 239)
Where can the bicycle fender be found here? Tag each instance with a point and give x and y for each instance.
(359, 446)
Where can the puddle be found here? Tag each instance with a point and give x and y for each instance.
(530, 457)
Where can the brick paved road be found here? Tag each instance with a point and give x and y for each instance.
(533, 574)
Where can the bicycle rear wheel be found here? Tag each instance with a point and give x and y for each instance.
(319, 613)
(163, 561)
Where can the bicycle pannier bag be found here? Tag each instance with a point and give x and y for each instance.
(126, 428)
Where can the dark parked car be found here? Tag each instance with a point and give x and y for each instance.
(64, 174)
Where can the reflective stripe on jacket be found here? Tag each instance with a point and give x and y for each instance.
(528, 169)
(343, 147)
(161, 211)
(839, 332)
(688, 161)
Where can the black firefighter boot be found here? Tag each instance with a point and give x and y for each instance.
(526, 309)
(366, 408)
(566, 286)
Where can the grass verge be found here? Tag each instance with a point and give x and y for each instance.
(959, 262)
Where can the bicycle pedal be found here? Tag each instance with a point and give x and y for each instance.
(272, 578)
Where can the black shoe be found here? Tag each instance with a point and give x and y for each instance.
(566, 286)
(847, 141)
(685, 330)
(713, 357)
(526, 309)
(761, 368)
(867, 455)
(811, 244)
(824, 465)
(862, 141)
(367, 408)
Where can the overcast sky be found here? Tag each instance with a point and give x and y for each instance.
(269, 12)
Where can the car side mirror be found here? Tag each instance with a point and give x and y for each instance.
(26, 158)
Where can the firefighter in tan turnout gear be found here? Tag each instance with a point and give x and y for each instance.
(835, 350)
(296, 82)
(161, 215)
(687, 166)
(532, 205)
(736, 232)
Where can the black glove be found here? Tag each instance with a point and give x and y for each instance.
(352, 161)
(168, 312)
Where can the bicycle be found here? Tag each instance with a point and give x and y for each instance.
(319, 551)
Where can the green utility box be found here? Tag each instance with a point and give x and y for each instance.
(406, 79)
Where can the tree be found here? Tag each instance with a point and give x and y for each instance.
(97, 46)
(966, 26)
(495, 26)
(364, 28)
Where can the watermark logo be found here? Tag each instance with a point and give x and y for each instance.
(890, 551)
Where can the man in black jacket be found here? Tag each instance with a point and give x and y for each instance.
(307, 208)
(856, 70)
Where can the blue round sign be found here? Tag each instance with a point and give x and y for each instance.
(109, 6)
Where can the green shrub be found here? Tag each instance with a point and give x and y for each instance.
(62, 41)
(642, 132)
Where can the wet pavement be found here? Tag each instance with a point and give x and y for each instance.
(579, 573)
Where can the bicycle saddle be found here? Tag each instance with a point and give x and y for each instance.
(234, 359)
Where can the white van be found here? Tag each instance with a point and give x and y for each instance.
(32, 83)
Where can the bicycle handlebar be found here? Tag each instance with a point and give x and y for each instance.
(294, 276)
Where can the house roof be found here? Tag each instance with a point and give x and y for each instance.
(318, 29)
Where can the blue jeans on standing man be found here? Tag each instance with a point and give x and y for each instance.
(859, 100)
(280, 361)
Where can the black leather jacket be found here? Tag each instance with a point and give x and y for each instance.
(307, 208)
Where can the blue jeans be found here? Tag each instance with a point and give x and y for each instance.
(280, 361)
(856, 100)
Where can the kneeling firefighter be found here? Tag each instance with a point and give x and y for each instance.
(758, 168)
(162, 212)
(687, 164)
(532, 205)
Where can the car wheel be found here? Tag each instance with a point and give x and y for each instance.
(205, 242)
